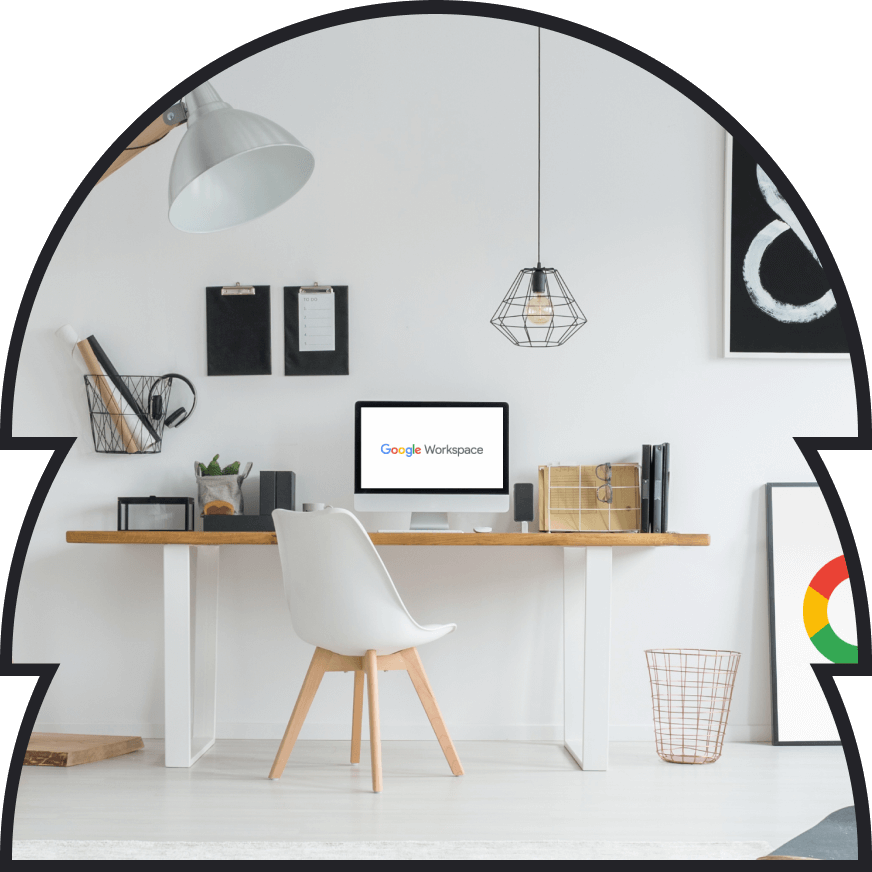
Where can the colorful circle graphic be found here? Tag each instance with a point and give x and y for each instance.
(814, 613)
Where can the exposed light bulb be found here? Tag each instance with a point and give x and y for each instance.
(539, 310)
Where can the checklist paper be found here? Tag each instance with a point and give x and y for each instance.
(316, 330)
(317, 321)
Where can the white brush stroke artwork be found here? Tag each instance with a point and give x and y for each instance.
(787, 313)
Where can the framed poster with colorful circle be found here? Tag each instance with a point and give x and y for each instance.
(811, 611)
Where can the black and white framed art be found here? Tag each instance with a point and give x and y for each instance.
(778, 302)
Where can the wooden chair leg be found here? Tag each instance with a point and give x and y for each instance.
(357, 717)
(428, 700)
(370, 666)
(311, 682)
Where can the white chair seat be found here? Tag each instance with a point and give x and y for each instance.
(425, 633)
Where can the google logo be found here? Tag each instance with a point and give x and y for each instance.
(408, 452)
(814, 613)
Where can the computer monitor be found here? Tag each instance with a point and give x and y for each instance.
(430, 459)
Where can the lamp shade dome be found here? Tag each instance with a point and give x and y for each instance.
(232, 166)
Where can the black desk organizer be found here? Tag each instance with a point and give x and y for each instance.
(277, 491)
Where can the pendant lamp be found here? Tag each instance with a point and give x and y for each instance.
(538, 311)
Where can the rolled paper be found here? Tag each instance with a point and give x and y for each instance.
(68, 339)
(68, 342)
(126, 395)
(116, 410)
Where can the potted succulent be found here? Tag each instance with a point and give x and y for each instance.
(219, 490)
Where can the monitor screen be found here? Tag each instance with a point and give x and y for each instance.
(439, 448)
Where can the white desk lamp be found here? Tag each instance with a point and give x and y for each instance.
(230, 167)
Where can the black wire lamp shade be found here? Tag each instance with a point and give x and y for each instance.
(539, 310)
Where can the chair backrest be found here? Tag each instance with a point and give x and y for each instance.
(339, 592)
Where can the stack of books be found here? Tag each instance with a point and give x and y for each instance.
(655, 488)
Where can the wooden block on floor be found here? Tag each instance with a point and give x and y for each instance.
(70, 749)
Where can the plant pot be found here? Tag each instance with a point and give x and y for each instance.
(220, 494)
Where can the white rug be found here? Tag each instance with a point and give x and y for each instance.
(546, 850)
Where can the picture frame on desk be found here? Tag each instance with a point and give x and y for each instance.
(160, 506)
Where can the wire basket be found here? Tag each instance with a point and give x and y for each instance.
(691, 691)
(120, 423)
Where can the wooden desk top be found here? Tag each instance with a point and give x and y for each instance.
(562, 540)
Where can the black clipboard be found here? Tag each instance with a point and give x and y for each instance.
(316, 362)
(238, 330)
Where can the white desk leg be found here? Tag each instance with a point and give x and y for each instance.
(597, 639)
(205, 651)
(189, 653)
(573, 651)
(587, 604)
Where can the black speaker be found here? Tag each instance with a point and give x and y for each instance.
(523, 500)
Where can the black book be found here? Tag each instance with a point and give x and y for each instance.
(285, 490)
(645, 524)
(657, 489)
(664, 508)
(119, 383)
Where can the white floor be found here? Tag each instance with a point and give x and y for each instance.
(511, 791)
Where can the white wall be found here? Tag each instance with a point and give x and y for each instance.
(423, 201)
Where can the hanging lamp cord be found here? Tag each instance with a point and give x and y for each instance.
(539, 156)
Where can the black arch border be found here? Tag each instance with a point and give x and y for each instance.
(808, 446)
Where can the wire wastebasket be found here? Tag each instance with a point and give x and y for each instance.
(691, 691)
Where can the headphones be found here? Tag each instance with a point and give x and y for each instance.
(155, 403)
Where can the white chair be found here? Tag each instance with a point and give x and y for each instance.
(342, 600)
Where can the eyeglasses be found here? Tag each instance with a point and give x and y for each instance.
(604, 491)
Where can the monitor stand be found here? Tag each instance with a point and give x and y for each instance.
(427, 522)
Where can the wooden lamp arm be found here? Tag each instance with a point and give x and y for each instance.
(155, 131)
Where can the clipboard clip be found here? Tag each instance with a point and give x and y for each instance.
(237, 290)
(316, 289)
